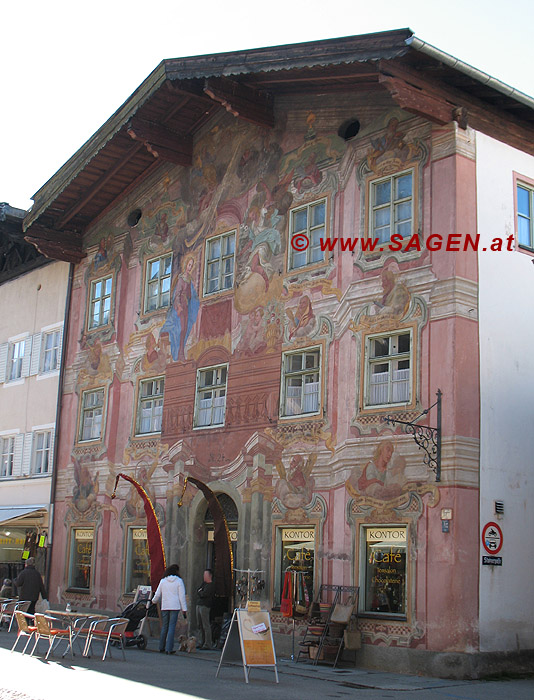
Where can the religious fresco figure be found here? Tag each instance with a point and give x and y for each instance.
(382, 477)
(162, 227)
(253, 342)
(296, 485)
(85, 491)
(183, 311)
(303, 321)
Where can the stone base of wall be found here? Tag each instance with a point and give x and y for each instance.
(420, 662)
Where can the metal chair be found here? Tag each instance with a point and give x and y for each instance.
(27, 628)
(9, 608)
(46, 630)
(106, 631)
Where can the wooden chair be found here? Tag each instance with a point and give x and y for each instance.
(45, 629)
(106, 631)
(27, 628)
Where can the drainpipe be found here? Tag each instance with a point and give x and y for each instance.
(58, 423)
(465, 68)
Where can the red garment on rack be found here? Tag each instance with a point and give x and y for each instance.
(286, 607)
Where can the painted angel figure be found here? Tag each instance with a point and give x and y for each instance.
(296, 485)
(85, 490)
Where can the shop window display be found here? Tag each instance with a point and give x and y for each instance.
(81, 559)
(385, 570)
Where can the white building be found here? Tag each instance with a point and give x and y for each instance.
(32, 307)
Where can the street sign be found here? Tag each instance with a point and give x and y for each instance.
(491, 561)
(492, 538)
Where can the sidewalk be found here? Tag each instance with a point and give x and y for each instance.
(182, 676)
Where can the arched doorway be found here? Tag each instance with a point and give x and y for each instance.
(222, 605)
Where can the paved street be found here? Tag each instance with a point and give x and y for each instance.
(147, 674)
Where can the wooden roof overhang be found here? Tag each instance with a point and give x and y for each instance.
(159, 121)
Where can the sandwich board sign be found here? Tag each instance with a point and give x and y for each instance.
(250, 640)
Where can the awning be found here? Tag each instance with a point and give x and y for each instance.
(19, 514)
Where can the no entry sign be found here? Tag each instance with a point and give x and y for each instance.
(492, 538)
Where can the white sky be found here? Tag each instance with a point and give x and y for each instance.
(67, 66)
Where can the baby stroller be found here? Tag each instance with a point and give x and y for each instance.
(136, 613)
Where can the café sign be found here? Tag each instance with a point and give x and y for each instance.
(386, 535)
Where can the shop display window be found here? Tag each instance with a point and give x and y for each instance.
(385, 570)
(295, 552)
(81, 559)
(137, 560)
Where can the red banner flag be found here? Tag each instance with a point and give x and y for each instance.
(156, 551)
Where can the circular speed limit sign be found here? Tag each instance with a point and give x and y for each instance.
(492, 538)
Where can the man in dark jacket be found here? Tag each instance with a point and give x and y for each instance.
(30, 583)
(206, 595)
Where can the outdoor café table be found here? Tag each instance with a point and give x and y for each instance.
(72, 618)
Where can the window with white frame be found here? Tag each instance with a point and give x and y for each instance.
(50, 351)
(42, 452)
(16, 357)
(525, 218)
(389, 361)
(158, 283)
(92, 412)
(301, 382)
(7, 445)
(150, 406)
(100, 302)
(219, 263)
(391, 206)
(211, 396)
(309, 221)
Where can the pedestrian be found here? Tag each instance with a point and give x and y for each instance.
(30, 583)
(171, 593)
(7, 589)
(206, 596)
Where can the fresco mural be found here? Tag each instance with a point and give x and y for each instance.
(183, 311)
(296, 485)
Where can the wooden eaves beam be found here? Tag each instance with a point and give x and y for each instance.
(161, 142)
(243, 101)
(441, 104)
(58, 245)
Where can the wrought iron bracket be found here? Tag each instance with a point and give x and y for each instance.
(426, 438)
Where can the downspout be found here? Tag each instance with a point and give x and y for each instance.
(58, 423)
(465, 68)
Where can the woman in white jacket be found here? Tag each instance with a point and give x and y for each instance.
(171, 593)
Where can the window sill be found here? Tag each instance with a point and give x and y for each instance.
(14, 382)
(398, 617)
(47, 375)
(209, 427)
(301, 417)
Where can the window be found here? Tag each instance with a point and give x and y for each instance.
(301, 373)
(42, 452)
(92, 410)
(158, 283)
(81, 559)
(211, 396)
(385, 570)
(150, 408)
(295, 548)
(390, 206)
(100, 302)
(51, 351)
(7, 445)
(15, 360)
(309, 221)
(137, 560)
(388, 368)
(220, 261)
(525, 219)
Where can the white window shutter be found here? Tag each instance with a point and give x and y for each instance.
(27, 356)
(51, 457)
(36, 353)
(27, 454)
(3, 361)
(60, 347)
(17, 455)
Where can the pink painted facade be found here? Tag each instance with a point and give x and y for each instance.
(202, 343)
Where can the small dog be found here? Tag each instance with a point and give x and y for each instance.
(187, 644)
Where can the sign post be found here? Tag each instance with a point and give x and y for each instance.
(250, 640)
